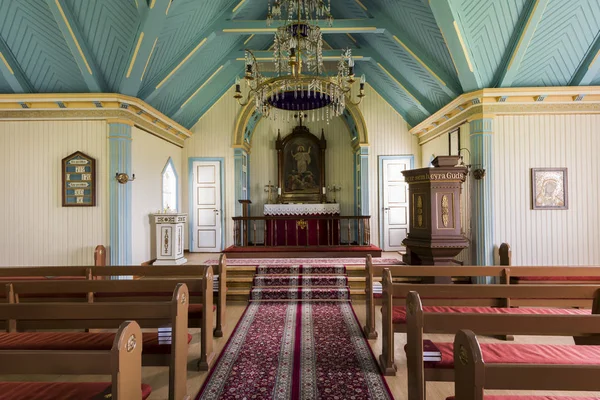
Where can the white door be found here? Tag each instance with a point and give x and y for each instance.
(206, 206)
(395, 202)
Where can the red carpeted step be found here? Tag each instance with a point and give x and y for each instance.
(284, 294)
(313, 269)
(300, 280)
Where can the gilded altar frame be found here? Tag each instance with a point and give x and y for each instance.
(301, 166)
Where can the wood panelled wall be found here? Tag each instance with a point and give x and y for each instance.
(547, 237)
(388, 135)
(36, 229)
(149, 156)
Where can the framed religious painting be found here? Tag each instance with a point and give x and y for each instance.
(549, 190)
(78, 180)
(454, 142)
(301, 165)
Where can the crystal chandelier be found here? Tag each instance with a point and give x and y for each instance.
(300, 83)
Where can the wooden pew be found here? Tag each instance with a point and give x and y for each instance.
(413, 274)
(104, 315)
(200, 289)
(420, 322)
(177, 272)
(473, 374)
(548, 275)
(11, 274)
(122, 362)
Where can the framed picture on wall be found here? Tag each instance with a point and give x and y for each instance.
(78, 180)
(549, 189)
(454, 142)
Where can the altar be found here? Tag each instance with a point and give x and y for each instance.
(302, 224)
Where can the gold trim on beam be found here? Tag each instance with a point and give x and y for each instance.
(62, 13)
(419, 60)
(464, 47)
(204, 84)
(525, 29)
(241, 3)
(135, 53)
(249, 39)
(399, 84)
(361, 5)
(148, 60)
(181, 63)
(351, 37)
(6, 63)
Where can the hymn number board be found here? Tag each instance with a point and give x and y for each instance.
(79, 180)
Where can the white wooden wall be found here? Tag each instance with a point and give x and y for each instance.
(149, 156)
(548, 237)
(35, 228)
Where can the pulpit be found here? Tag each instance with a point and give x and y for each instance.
(302, 224)
(170, 237)
(434, 201)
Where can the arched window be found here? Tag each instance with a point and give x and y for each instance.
(169, 186)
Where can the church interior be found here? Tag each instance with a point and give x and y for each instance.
(299, 199)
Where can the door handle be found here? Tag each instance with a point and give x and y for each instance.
(386, 209)
(216, 212)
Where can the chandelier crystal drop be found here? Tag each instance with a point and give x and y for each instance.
(300, 83)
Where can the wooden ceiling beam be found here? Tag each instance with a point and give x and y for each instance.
(447, 82)
(589, 67)
(455, 39)
(152, 22)
(520, 42)
(12, 72)
(84, 58)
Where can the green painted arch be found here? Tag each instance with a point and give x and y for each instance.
(248, 120)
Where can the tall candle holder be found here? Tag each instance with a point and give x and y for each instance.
(334, 189)
(269, 189)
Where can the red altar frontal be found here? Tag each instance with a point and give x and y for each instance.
(302, 224)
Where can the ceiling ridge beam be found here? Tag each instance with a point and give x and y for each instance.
(328, 55)
(84, 58)
(258, 27)
(532, 15)
(152, 22)
(589, 67)
(453, 35)
(447, 82)
(12, 72)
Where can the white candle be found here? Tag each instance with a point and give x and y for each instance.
(279, 191)
(323, 189)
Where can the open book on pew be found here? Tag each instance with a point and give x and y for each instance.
(377, 288)
(431, 351)
(164, 335)
(215, 282)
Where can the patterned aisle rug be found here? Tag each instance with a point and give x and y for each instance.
(298, 351)
(270, 261)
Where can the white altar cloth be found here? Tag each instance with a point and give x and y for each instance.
(301, 209)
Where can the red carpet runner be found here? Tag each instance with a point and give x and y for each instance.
(297, 349)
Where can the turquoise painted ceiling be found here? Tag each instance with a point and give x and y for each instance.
(181, 56)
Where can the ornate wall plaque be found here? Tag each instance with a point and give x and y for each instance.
(549, 189)
(78, 180)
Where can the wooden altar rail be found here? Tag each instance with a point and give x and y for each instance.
(245, 230)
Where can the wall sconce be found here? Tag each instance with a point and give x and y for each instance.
(123, 177)
(478, 173)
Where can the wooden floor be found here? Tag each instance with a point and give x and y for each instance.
(157, 377)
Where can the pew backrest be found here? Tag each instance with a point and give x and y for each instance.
(473, 375)
(123, 362)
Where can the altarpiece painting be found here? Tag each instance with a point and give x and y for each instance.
(301, 162)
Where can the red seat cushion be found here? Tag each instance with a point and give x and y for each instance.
(195, 310)
(76, 341)
(399, 312)
(525, 354)
(556, 278)
(501, 397)
(57, 390)
(377, 295)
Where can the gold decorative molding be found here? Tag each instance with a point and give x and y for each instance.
(92, 106)
(445, 211)
(503, 101)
